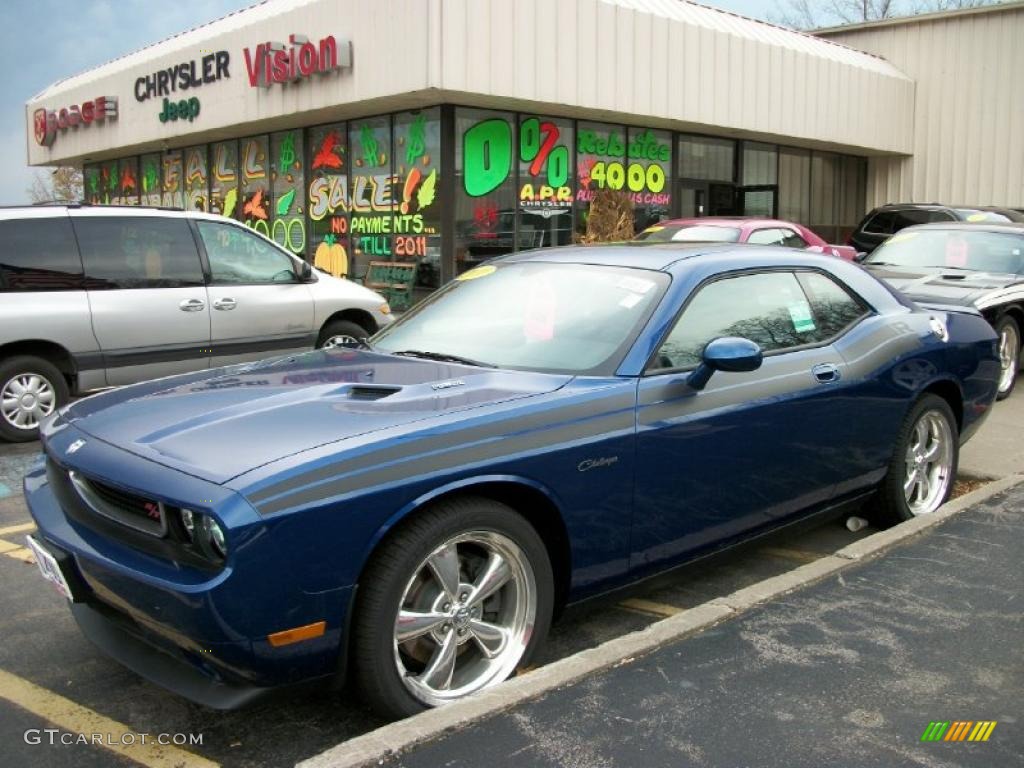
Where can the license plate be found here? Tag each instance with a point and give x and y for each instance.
(50, 568)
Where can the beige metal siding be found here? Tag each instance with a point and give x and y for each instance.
(687, 66)
(968, 134)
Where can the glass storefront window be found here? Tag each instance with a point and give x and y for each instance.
(254, 162)
(149, 179)
(91, 184)
(224, 179)
(128, 180)
(485, 195)
(824, 180)
(287, 214)
(794, 184)
(648, 176)
(600, 164)
(110, 183)
(170, 167)
(328, 201)
(704, 158)
(760, 164)
(196, 185)
(545, 182)
(373, 190)
(417, 216)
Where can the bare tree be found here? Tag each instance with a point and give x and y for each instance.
(803, 14)
(62, 184)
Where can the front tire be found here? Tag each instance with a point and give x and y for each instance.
(31, 388)
(1009, 355)
(340, 333)
(453, 602)
(923, 467)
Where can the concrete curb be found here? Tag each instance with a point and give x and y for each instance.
(373, 747)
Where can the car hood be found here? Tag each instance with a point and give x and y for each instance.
(220, 423)
(942, 286)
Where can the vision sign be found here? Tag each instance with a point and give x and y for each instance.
(274, 63)
(46, 122)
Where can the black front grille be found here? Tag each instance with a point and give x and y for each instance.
(138, 512)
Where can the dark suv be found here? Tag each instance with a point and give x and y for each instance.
(885, 220)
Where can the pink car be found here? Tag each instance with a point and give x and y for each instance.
(736, 229)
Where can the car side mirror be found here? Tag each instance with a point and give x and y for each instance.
(861, 255)
(305, 272)
(728, 353)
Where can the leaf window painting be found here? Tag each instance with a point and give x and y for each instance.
(254, 162)
(287, 214)
(196, 179)
(328, 201)
(173, 184)
(417, 218)
(109, 183)
(224, 179)
(149, 179)
(128, 180)
(91, 183)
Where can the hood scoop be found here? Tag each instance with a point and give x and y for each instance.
(954, 276)
(364, 392)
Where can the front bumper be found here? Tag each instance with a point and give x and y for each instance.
(200, 633)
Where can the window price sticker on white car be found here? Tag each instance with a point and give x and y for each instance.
(50, 568)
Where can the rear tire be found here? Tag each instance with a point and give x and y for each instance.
(338, 333)
(430, 626)
(923, 466)
(1009, 355)
(31, 388)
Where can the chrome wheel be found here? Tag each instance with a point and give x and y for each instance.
(340, 340)
(27, 398)
(1009, 356)
(466, 617)
(929, 463)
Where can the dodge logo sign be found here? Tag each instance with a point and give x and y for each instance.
(46, 122)
(44, 133)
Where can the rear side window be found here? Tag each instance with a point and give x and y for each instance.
(138, 252)
(834, 308)
(39, 254)
(908, 217)
(881, 223)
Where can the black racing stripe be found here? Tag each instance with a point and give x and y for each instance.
(618, 401)
(417, 464)
(166, 353)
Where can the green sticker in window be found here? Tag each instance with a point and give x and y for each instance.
(976, 217)
(800, 313)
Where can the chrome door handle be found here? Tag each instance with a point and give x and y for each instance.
(224, 303)
(826, 373)
(192, 305)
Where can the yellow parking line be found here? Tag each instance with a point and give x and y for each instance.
(22, 553)
(648, 606)
(799, 555)
(7, 546)
(20, 528)
(74, 718)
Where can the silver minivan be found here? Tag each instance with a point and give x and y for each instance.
(94, 297)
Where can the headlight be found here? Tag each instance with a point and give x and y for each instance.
(188, 522)
(217, 537)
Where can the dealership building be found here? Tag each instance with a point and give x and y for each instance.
(444, 132)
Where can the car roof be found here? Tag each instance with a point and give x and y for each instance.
(1009, 227)
(665, 257)
(85, 209)
(941, 206)
(724, 221)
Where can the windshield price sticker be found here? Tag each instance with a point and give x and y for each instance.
(800, 313)
(635, 284)
(477, 272)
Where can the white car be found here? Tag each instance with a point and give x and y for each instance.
(94, 297)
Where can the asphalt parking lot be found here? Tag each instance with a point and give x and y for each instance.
(52, 678)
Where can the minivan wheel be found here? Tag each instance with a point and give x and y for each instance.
(30, 390)
(1009, 355)
(452, 603)
(340, 333)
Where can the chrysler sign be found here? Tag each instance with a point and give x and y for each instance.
(48, 121)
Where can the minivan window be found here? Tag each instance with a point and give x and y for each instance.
(138, 252)
(238, 257)
(39, 254)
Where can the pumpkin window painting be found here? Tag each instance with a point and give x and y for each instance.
(328, 198)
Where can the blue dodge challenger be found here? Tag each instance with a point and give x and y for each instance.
(550, 426)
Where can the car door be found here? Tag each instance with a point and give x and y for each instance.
(751, 448)
(259, 307)
(146, 292)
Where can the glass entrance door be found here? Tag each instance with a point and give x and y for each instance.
(699, 198)
(759, 201)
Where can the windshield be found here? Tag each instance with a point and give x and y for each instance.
(689, 233)
(953, 249)
(564, 318)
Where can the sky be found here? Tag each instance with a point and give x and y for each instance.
(82, 34)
